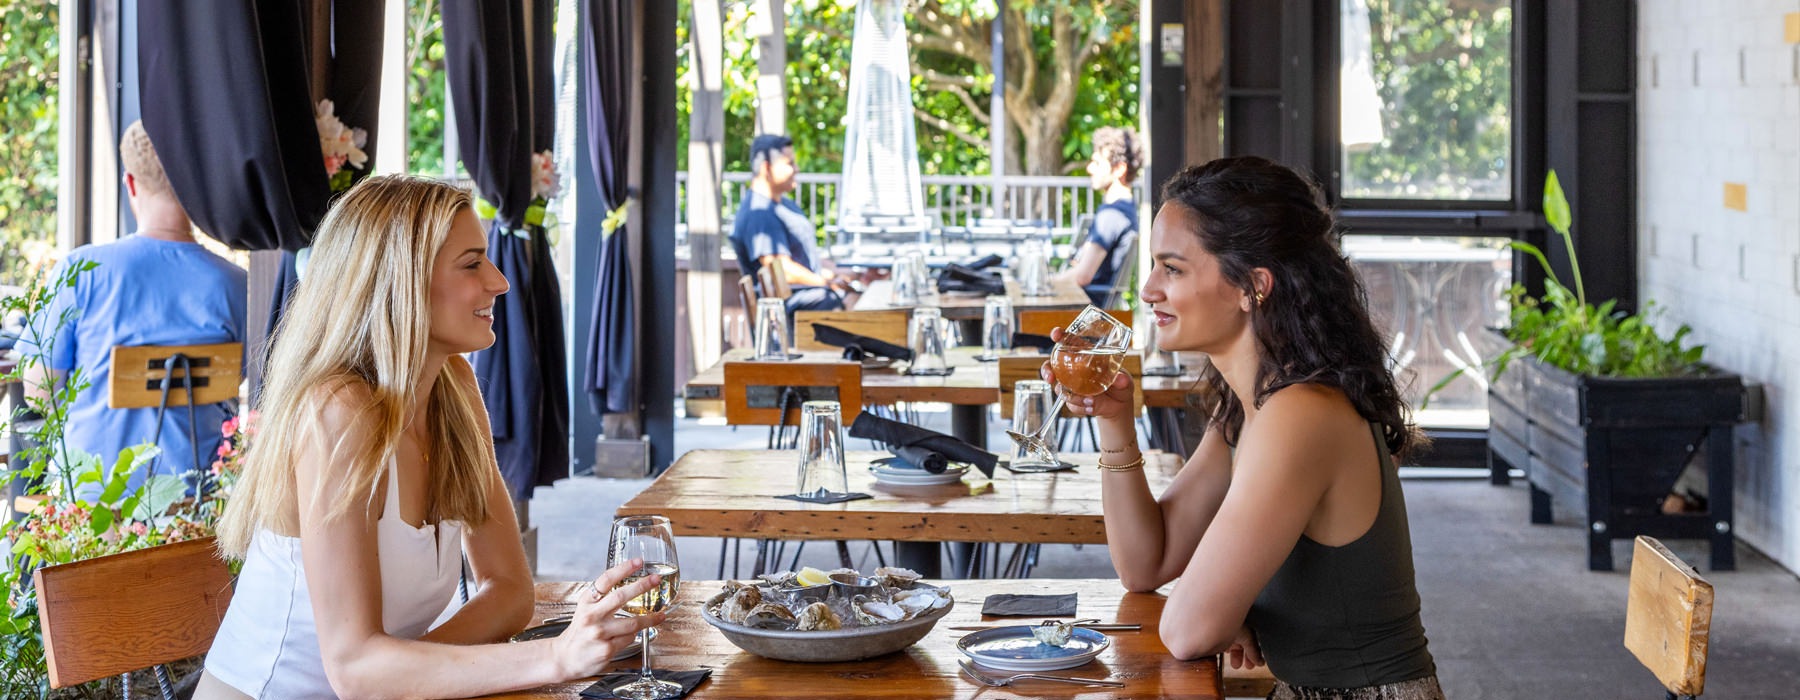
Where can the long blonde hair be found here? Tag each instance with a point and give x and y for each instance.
(361, 318)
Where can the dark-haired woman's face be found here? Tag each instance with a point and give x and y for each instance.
(1194, 306)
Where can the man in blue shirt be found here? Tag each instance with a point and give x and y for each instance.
(155, 287)
(1103, 256)
(770, 229)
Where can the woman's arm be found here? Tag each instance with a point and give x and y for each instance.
(343, 575)
(1151, 538)
(1287, 459)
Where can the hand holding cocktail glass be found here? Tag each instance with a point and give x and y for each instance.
(1086, 362)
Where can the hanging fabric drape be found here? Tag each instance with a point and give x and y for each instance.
(224, 96)
(498, 63)
(607, 39)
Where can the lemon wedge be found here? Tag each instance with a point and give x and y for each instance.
(809, 576)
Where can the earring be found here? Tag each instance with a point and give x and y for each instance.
(1259, 298)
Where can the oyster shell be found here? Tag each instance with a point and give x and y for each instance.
(817, 616)
(1053, 633)
(876, 612)
(739, 604)
(769, 616)
(780, 579)
(896, 577)
(919, 600)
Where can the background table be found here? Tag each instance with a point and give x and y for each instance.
(1065, 294)
(927, 669)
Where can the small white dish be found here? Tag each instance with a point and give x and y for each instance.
(917, 477)
(1016, 649)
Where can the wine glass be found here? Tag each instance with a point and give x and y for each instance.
(1085, 362)
(646, 537)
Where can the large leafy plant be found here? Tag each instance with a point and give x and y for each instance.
(1563, 330)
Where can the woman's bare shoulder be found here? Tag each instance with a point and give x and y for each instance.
(1312, 409)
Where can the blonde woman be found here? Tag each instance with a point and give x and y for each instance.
(374, 474)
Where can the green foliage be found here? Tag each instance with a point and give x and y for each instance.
(953, 135)
(29, 81)
(427, 95)
(1444, 68)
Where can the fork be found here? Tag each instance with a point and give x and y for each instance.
(991, 681)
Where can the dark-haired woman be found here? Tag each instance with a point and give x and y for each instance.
(1286, 532)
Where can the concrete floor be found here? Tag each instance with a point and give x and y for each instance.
(1510, 608)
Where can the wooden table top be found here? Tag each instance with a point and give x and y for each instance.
(927, 669)
(974, 383)
(732, 493)
(1064, 294)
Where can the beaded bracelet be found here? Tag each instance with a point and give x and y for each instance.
(1133, 465)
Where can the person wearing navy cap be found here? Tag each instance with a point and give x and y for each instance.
(770, 229)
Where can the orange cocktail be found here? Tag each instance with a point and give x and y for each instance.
(1085, 370)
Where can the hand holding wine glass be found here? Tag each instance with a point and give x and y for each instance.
(649, 542)
(596, 632)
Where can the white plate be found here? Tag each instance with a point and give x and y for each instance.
(917, 477)
(1015, 649)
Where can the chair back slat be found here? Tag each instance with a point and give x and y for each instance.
(1668, 617)
(137, 373)
(105, 616)
(880, 324)
(774, 281)
(1040, 321)
(753, 389)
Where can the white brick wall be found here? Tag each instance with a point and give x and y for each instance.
(1718, 102)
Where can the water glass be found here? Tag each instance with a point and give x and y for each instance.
(906, 282)
(996, 326)
(822, 470)
(1034, 270)
(921, 272)
(1157, 361)
(1031, 408)
(925, 336)
(771, 330)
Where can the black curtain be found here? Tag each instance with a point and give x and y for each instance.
(503, 98)
(225, 99)
(606, 66)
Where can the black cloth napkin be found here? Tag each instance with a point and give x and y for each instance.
(984, 262)
(1032, 605)
(958, 278)
(689, 680)
(828, 498)
(901, 435)
(920, 458)
(1033, 340)
(857, 347)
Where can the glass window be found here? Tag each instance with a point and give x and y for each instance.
(1426, 99)
(1433, 298)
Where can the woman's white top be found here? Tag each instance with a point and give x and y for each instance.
(267, 646)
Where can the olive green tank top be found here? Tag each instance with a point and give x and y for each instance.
(1347, 617)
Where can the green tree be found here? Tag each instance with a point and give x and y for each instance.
(29, 55)
(426, 96)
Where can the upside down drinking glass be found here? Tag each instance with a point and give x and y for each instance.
(1084, 362)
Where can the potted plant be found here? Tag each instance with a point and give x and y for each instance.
(1603, 414)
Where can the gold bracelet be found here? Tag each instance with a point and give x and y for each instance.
(1133, 465)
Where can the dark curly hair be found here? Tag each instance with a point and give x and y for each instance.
(1313, 325)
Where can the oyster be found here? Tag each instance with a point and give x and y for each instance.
(876, 612)
(739, 604)
(896, 577)
(780, 579)
(919, 600)
(1053, 633)
(769, 616)
(817, 616)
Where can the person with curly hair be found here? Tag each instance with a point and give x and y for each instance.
(1106, 251)
(1286, 532)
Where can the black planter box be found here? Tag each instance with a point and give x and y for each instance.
(1617, 446)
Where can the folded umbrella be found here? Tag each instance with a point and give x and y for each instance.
(903, 435)
(856, 347)
(957, 278)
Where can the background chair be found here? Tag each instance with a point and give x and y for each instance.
(1040, 321)
(774, 282)
(1668, 618)
(156, 376)
(1115, 293)
(116, 614)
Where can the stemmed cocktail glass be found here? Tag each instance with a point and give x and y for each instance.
(1084, 362)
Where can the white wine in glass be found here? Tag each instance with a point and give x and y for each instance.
(649, 538)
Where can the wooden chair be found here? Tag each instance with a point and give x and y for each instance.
(116, 614)
(1122, 281)
(1040, 321)
(1246, 682)
(1668, 618)
(774, 281)
(880, 324)
(137, 373)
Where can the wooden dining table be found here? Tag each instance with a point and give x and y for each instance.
(927, 669)
(965, 306)
(969, 389)
(733, 493)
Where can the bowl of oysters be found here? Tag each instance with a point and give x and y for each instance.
(840, 615)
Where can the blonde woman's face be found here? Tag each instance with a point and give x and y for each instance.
(464, 286)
